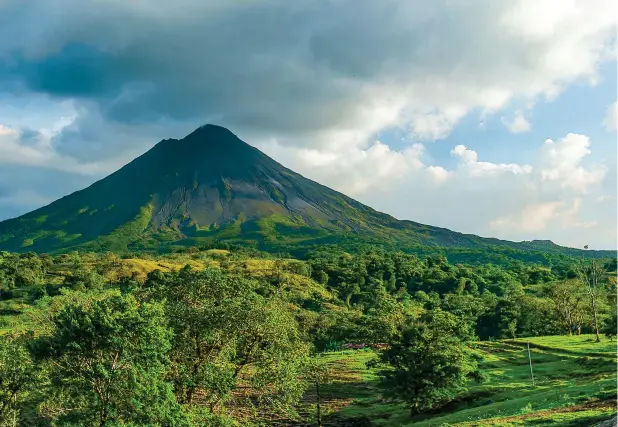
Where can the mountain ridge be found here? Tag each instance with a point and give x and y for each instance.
(211, 186)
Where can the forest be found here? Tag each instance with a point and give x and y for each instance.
(225, 336)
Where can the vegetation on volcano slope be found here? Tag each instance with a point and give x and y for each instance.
(212, 187)
(238, 337)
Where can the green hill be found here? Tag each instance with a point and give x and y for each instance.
(575, 385)
(211, 186)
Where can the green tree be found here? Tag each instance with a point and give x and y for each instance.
(610, 326)
(568, 300)
(321, 277)
(348, 290)
(430, 363)
(106, 362)
(383, 320)
(18, 271)
(593, 275)
(227, 337)
(18, 376)
(84, 277)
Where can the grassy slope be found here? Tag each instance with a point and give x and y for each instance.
(298, 286)
(572, 389)
(575, 376)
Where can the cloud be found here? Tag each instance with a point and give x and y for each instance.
(519, 124)
(6, 131)
(562, 163)
(438, 173)
(352, 170)
(537, 217)
(505, 200)
(28, 148)
(295, 71)
(468, 162)
(612, 117)
(532, 217)
(437, 124)
(85, 87)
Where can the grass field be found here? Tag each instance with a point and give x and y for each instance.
(575, 385)
(575, 377)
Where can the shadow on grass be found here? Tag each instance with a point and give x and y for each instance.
(580, 422)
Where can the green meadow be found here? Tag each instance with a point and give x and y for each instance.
(574, 385)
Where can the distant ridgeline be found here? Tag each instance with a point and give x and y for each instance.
(211, 188)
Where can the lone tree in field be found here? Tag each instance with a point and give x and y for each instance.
(593, 276)
(430, 363)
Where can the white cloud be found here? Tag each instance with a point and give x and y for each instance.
(562, 163)
(505, 200)
(6, 131)
(532, 218)
(538, 217)
(302, 72)
(466, 156)
(437, 124)
(438, 173)
(468, 162)
(612, 117)
(519, 124)
(352, 170)
(41, 154)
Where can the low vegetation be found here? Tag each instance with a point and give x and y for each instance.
(570, 389)
(222, 336)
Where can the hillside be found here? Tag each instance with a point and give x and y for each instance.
(574, 376)
(211, 186)
(574, 386)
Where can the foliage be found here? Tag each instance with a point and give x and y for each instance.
(18, 270)
(593, 276)
(610, 326)
(17, 377)
(224, 330)
(107, 363)
(571, 389)
(430, 364)
(569, 303)
(240, 332)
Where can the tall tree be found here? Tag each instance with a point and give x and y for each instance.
(227, 337)
(593, 276)
(107, 361)
(430, 363)
(568, 299)
(17, 377)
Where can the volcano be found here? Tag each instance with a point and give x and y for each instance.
(210, 187)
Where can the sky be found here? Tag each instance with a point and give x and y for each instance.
(496, 118)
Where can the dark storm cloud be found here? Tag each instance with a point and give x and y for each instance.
(268, 66)
(76, 71)
(248, 64)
